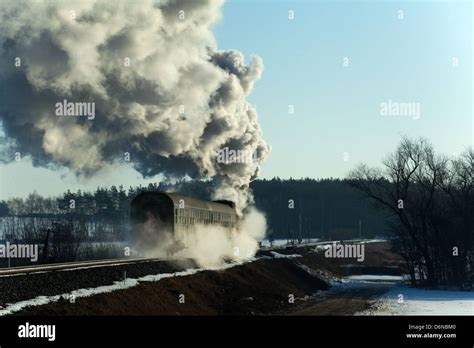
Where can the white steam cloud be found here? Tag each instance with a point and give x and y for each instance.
(162, 91)
(208, 245)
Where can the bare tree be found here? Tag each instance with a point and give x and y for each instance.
(431, 198)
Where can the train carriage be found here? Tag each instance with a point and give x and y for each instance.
(160, 218)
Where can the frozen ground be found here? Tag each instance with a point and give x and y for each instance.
(283, 256)
(284, 242)
(316, 241)
(404, 300)
(375, 278)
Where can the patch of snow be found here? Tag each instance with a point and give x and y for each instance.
(376, 277)
(284, 242)
(330, 279)
(367, 241)
(404, 300)
(283, 256)
(320, 246)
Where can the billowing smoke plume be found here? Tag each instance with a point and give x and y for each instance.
(162, 91)
(163, 95)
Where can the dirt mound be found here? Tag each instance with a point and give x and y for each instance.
(259, 287)
(277, 283)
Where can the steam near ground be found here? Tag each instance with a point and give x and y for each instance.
(209, 245)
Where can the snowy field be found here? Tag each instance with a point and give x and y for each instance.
(426, 302)
(316, 241)
(283, 242)
(404, 300)
(376, 278)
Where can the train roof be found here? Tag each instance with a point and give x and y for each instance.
(191, 202)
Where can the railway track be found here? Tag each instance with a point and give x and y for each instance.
(73, 265)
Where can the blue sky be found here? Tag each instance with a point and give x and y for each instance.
(337, 108)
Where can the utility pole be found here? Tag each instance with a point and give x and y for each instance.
(9, 237)
(301, 236)
(322, 217)
(300, 204)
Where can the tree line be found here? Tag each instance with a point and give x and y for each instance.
(421, 200)
(295, 209)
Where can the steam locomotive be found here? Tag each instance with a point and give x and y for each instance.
(164, 221)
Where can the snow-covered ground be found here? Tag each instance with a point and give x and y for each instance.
(411, 301)
(283, 256)
(405, 300)
(376, 277)
(284, 242)
(320, 245)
